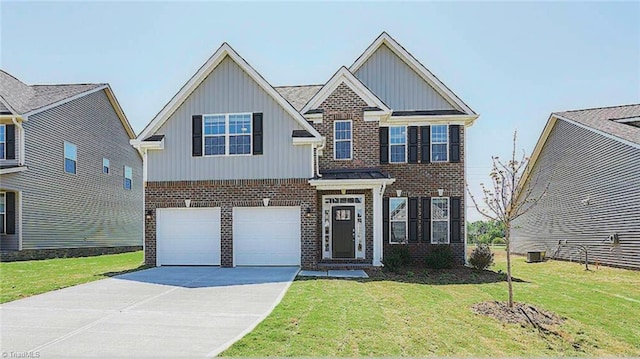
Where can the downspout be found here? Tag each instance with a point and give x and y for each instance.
(21, 149)
(318, 149)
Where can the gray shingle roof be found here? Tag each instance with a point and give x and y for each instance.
(24, 98)
(602, 119)
(298, 96)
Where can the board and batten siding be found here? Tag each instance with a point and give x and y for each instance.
(229, 89)
(401, 88)
(594, 192)
(87, 209)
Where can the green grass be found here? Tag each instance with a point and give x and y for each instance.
(409, 318)
(24, 279)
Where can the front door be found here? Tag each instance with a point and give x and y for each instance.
(343, 233)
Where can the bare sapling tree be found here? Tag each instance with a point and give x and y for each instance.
(507, 198)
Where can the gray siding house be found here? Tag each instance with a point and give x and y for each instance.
(70, 183)
(591, 161)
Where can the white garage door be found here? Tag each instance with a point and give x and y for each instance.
(188, 236)
(266, 235)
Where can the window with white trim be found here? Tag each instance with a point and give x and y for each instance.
(397, 144)
(440, 220)
(342, 140)
(105, 166)
(70, 157)
(3, 142)
(3, 213)
(439, 143)
(128, 177)
(398, 220)
(227, 134)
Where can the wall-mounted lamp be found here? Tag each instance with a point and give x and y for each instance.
(187, 203)
(398, 192)
(343, 191)
(265, 202)
(308, 213)
(149, 214)
(440, 192)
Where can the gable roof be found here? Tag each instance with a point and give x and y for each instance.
(26, 100)
(415, 65)
(298, 96)
(343, 75)
(202, 73)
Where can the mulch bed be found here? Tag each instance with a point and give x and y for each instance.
(524, 314)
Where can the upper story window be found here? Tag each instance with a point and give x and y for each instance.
(128, 176)
(439, 220)
(105, 165)
(397, 144)
(398, 220)
(228, 134)
(439, 143)
(70, 157)
(3, 142)
(342, 140)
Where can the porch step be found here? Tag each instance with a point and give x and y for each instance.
(344, 265)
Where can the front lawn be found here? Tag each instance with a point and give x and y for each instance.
(23, 279)
(430, 315)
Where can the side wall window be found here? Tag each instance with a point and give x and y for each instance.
(128, 175)
(70, 157)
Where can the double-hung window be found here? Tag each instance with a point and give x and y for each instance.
(439, 143)
(70, 157)
(398, 220)
(228, 134)
(397, 144)
(105, 166)
(3, 212)
(3, 142)
(342, 138)
(439, 220)
(128, 176)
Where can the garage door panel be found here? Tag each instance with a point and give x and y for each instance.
(188, 236)
(266, 235)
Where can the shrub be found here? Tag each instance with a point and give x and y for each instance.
(498, 241)
(481, 257)
(440, 257)
(397, 258)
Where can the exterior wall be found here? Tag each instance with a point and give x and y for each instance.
(397, 84)
(234, 193)
(584, 166)
(228, 89)
(87, 209)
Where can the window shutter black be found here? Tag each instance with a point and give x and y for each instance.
(425, 144)
(413, 144)
(413, 219)
(384, 144)
(10, 212)
(385, 220)
(196, 132)
(257, 133)
(10, 142)
(455, 220)
(426, 219)
(454, 143)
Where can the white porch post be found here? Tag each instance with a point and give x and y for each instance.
(377, 225)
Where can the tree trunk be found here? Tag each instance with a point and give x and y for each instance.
(508, 243)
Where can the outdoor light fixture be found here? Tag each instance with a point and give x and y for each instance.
(149, 214)
(187, 203)
(343, 191)
(308, 213)
(398, 192)
(265, 202)
(440, 192)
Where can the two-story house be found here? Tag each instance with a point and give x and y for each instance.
(70, 183)
(238, 172)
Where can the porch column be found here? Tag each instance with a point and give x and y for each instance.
(377, 225)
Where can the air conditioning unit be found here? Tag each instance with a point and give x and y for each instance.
(535, 257)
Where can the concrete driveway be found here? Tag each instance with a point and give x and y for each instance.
(178, 312)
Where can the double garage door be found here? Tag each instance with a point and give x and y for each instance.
(261, 236)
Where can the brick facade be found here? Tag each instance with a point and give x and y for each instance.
(227, 194)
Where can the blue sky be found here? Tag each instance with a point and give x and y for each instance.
(513, 63)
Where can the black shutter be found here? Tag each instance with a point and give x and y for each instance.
(454, 143)
(10, 212)
(425, 144)
(257, 133)
(413, 219)
(426, 219)
(455, 220)
(196, 132)
(10, 138)
(384, 144)
(385, 220)
(413, 144)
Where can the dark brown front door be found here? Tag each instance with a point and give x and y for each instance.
(343, 231)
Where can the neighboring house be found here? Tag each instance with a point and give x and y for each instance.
(70, 183)
(241, 173)
(590, 161)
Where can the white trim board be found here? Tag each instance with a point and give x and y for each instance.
(202, 73)
(414, 64)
